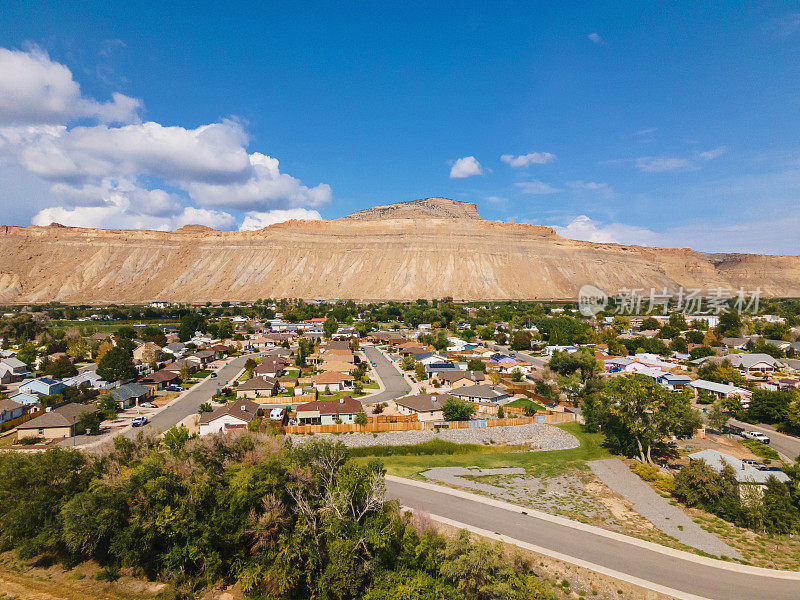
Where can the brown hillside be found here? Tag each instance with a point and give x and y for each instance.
(423, 249)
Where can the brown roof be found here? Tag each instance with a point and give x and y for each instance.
(338, 345)
(244, 408)
(424, 402)
(331, 377)
(160, 377)
(261, 382)
(453, 376)
(345, 404)
(336, 365)
(8, 404)
(66, 415)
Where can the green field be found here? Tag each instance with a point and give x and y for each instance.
(549, 462)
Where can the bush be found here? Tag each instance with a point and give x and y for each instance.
(760, 449)
(651, 474)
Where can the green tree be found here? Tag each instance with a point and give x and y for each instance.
(330, 326)
(89, 422)
(175, 439)
(476, 364)
(190, 323)
(780, 516)
(650, 324)
(521, 340)
(717, 417)
(116, 365)
(516, 375)
(419, 371)
(61, 368)
(698, 484)
(361, 418)
(28, 354)
(408, 363)
(108, 406)
(78, 348)
(730, 324)
(639, 409)
(455, 409)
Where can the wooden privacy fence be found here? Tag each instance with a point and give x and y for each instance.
(19, 420)
(347, 428)
(418, 425)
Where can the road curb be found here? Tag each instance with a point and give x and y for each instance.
(681, 554)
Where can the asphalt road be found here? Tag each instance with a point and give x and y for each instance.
(783, 444)
(394, 383)
(683, 574)
(181, 408)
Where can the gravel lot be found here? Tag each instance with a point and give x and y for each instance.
(537, 435)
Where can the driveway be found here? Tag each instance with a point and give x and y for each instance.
(394, 384)
(655, 508)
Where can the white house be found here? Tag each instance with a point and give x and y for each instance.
(229, 417)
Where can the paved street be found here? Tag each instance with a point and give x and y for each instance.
(783, 444)
(394, 383)
(681, 572)
(178, 410)
(536, 361)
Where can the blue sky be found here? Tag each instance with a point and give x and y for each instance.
(661, 124)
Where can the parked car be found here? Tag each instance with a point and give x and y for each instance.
(213, 375)
(757, 436)
(147, 405)
(174, 388)
(139, 421)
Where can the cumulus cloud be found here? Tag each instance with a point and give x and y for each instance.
(660, 164)
(713, 153)
(465, 167)
(259, 220)
(525, 160)
(266, 186)
(595, 38)
(536, 187)
(36, 90)
(113, 170)
(584, 228)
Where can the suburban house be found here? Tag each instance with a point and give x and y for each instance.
(131, 394)
(57, 423)
(15, 368)
(481, 393)
(745, 473)
(754, 365)
(90, 378)
(271, 368)
(336, 366)
(160, 379)
(10, 410)
(175, 348)
(673, 381)
(625, 364)
(258, 386)
(427, 407)
(459, 378)
(737, 343)
(325, 412)
(719, 390)
(43, 386)
(147, 353)
(433, 370)
(178, 365)
(331, 381)
(25, 399)
(229, 417)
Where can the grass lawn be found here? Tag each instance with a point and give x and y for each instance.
(524, 402)
(292, 373)
(760, 449)
(372, 385)
(201, 374)
(551, 462)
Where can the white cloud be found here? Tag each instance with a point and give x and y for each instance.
(647, 131)
(35, 90)
(593, 186)
(113, 170)
(266, 187)
(584, 228)
(465, 167)
(713, 153)
(525, 160)
(595, 38)
(259, 220)
(536, 187)
(660, 164)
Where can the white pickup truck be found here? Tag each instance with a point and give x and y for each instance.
(757, 436)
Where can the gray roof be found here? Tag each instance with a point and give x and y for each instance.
(423, 402)
(14, 363)
(63, 416)
(128, 391)
(483, 391)
(748, 360)
(744, 473)
(259, 382)
(245, 409)
(8, 404)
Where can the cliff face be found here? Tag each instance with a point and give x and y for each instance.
(378, 257)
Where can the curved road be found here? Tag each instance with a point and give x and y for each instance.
(395, 385)
(690, 576)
